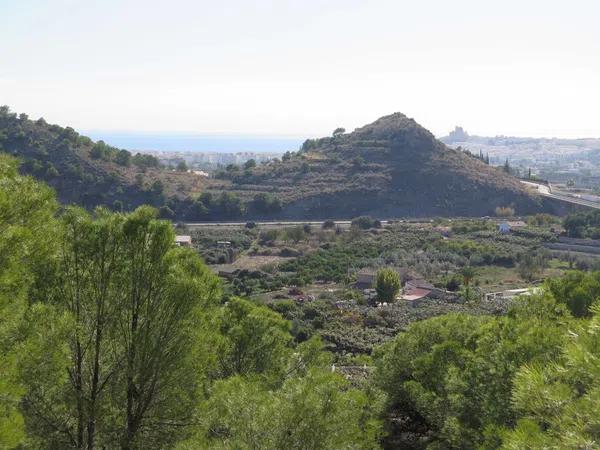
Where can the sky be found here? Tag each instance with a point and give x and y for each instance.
(303, 68)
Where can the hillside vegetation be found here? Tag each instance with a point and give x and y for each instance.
(89, 173)
(392, 167)
(111, 336)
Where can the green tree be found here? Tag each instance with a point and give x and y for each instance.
(387, 284)
(456, 371)
(338, 131)
(363, 222)
(265, 203)
(254, 340)
(577, 290)
(295, 233)
(316, 411)
(27, 244)
(531, 266)
(135, 301)
(558, 400)
(182, 166)
(158, 187)
(251, 163)
(123, 158)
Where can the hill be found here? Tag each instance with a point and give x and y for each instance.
(90, 173)
(390, 168)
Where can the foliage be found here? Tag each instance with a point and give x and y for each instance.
(532, 265)
(266, 203)
(584, 224)
(295, 233)
(338, 131)
(328, 224)
(559, 400)
(578, 291)
(455, 372)
(254, 340)
(134, 300)
(387, 284)
(543, 220)
(363, 222)
(317, 411)
(27, 242)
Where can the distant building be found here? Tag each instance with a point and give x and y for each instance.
(365, 278)
(183, 241)
(418, 283)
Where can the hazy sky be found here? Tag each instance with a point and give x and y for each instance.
(514, 67)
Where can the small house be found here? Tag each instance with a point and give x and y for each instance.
(418, 283)
(365, 278)
(183, 241)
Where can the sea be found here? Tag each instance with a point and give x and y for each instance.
(205, 143)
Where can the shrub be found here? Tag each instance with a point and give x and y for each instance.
(363, 222)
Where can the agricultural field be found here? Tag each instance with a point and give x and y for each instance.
(308, 273)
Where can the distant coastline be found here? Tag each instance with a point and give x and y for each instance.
(173, 142)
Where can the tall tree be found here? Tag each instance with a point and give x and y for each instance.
(135, 301)
(27, 237)
(387, 284)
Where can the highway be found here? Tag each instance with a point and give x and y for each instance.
(274, 223)
(547, 191)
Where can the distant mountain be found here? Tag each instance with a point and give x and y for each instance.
(390, 168)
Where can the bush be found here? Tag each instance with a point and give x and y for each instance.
(328, 225)
(295, 234)
(363, 222)
(267, 237)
